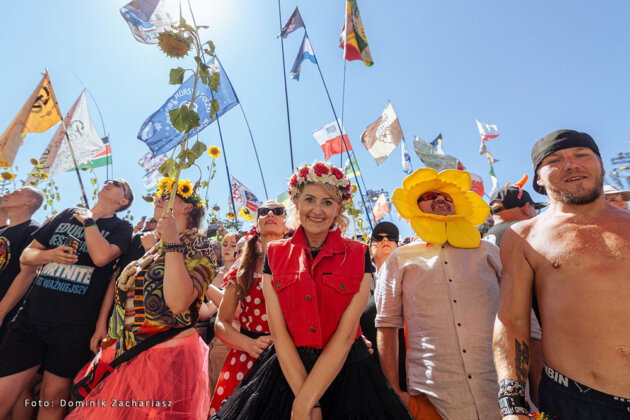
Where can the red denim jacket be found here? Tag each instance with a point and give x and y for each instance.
(313, 294)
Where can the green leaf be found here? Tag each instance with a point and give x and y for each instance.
(204, 73)
(214, 81)
(176, 76)
(214, 108)
(94, 181)
(198, 149)
(184, 119)
(168, 168)
(202, 27)
(210, 49)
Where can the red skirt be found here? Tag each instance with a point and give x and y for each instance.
(167, 381)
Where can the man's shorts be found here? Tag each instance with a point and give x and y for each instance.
(62, 351)
(567, 399)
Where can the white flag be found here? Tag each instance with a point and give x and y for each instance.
(487, 131)
(245, 201)
(406, 158)
(82, 135)
(147, 18)
(382, 136)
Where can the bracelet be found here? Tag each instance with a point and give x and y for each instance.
(512, 398)
(174, 247)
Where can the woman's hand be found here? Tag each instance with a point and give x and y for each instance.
(259, 345)
(148, 240)
(301, 410)
(167, 228)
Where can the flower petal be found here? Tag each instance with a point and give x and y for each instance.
(462, 234)
(480, 209)
(433, 231)
(457, 177)
(418, 176)
(400, 199)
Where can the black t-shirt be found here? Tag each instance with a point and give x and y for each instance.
(496, 232)
(71, 294)
(13, 240)
(134, 252)
(369, 268)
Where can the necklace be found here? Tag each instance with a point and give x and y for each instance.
(315, 248)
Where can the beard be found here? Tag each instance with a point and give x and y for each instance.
(581, 197)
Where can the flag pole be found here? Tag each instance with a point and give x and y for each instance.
(367, 212)
(76, 167)
(286, 95)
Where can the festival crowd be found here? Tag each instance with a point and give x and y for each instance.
(512, 309)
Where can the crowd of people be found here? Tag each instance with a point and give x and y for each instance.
(509, 309)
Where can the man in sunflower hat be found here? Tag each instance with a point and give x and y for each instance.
(445, 290)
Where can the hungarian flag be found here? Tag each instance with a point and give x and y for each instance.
(353, 40)
(330, 139)
(103, 158)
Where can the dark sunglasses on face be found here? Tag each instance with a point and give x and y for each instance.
(118, 184)
(390, 238)
(264, 211)
(432, 195)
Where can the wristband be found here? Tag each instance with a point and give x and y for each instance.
(174, 247)
(512, 398)
(88, 222)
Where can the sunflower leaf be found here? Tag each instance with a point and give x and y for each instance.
(183, 119)
(198, 149)
(168, 168)
(176, 76)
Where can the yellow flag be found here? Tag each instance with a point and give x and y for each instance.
(39, 113)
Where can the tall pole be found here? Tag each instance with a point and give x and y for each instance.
(286, 95)
(76, 167)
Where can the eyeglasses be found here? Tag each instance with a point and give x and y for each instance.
(390, 238)
(433, 195)
(119, 184)
(264, 211)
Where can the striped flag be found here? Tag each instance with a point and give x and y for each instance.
(347, 167)
(487, 131)
(406, 159)
(103, 158)
(330, 139)
(353, 39)
(305, 53)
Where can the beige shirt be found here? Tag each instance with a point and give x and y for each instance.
(448, 298)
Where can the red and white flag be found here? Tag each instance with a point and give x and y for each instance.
(477, 184)
(487, 131)
(330, 139)
(380, 207)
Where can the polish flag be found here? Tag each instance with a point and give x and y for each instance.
(487, 131)
(330, 139)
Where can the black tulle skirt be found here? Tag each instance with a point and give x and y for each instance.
(360, 390)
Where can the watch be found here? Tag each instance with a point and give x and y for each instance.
(88, 221)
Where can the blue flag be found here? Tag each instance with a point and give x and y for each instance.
(306, 53)
(158, 132)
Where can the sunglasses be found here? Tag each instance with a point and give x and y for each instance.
(264, 211)
(390, 238)
(118, 184)
(432, 195)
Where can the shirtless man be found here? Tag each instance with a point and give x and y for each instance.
(577, 257)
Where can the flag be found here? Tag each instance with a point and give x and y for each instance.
(305, 53)
(483, 150)
(99, 159)
(295, 22)
(382, 136)
(477, 184)
(432, 159)
(330, 139)
(353, 40)
(39, 113)
(380, 207)
(347, 167)
(437, 144)
(284, 199)
(150, 180)
(150, 163)
(78, 128)
(406, 159)
(493, 177)
(245, 201)
(147, 18)
(487, 131)
(158, 132)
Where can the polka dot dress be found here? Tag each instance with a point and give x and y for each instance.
(237, 364)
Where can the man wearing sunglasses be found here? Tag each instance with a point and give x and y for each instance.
(65, 315)
(446, 297)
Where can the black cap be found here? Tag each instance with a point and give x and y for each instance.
(385, 227)
(513, 197)
(558, 140)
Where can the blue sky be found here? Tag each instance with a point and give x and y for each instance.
(529, 67)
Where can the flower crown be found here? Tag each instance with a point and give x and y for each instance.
(322, 172)
(185, 190)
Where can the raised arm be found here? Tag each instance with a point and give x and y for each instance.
(512, 326)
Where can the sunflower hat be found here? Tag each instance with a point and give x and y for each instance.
(459, 228)
(185, 190)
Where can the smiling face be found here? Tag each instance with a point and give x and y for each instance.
(436, 202)
(116, 192)
(572, 176)
(317, 208)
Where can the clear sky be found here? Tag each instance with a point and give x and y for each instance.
(529, 67)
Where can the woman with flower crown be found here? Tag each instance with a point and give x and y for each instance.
(315, 285)
(160, 292)
(243, 290)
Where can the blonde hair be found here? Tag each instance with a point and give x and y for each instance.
(341, 220)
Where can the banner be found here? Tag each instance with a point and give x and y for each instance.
(305, 53)
(487, 131)
(382, 136)
(79, 129)
(330, 139)
(39, 113)
(437, 144)
(353, 39)
(158, 132)
(245, 201)
(477, 184)
(150, 163)
(429, 156)
(295, 22)
(100, 159)
(150, 180)
(147, 18)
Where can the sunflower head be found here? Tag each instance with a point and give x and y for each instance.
(184, 188)
(7, 176)
(174, 44)
(214, 152)
(459, 228)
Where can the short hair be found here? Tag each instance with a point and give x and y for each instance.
(128, 194)
(36, 195)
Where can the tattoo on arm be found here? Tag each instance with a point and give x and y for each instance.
(522, 360)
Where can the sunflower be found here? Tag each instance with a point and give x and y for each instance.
(7, 176)
(184, 188)
(214, 152)
(164, 186)
(459, 228)
(230, 215)
(173, 44)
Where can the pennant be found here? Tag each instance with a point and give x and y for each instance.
(487, 131)
(437, 145)
(353, 40)
(330, 139)
(158, 132)
(245, 201)
(295, 22)
(493, 177)
(406, 159)
(477, 184)
(347, 167)
(79, 130)
(382, 136)
(147, 18)
(100, 159)
(39, 113)
(432, 159)
(305, 53)
(380, 208)
(150, 163)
